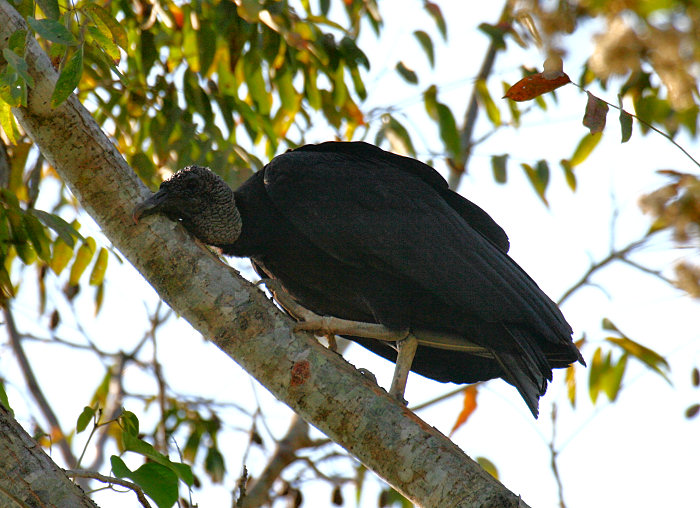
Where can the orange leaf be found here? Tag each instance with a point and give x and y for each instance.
(470, 393)
(535, 85)
(178, 15)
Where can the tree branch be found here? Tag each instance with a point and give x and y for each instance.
(616, 255)
(321, 387)
(297, 437)
(35, 390)
(467, 131)
(28, 477)
(83, 473)
(554, 454)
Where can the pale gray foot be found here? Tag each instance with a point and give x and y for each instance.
(328, 326)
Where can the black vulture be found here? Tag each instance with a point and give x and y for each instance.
(352, 231)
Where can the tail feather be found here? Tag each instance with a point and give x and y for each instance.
(525, 367)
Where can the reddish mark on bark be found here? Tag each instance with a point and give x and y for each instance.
(301, 371)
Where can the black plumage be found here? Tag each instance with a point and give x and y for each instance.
(355, 232)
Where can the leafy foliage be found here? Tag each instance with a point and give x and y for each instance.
(226, 84)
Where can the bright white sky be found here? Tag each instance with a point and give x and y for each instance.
(637, 452)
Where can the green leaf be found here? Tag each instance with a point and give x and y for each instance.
(84, 419)
(249, 10)
(130, 423)
(37, 235)
(584, 148)
(206, 43)
(157, 481)
(287, 93)
(53, 31)
(435, 12)
(311, 92)
(427, 44)
(612, 379)
(340, 91)
(352, 54)
(214, 465)
(134, 444)
(358, 83)
(498, 165)
(64, 230)
(107, 24)
(625, 125)
(390, 497)
(449, 132)
(568, 173)
(407, 74)
(488, 466)
(492, 111)
(648, 357)
(495, 33)
(106, 43)
(252, 71)
(515, 112)
(49, 8)
(3, 397)
(446, 124)
(99, 268)
(7, 122)
(606, 324)
(144, 167)
(18, 41)
(430, 101)
(19, 64)
(68, 79)
(189, 451)
(396, 134)
(539, 178)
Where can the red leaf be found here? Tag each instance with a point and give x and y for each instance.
(470, 393)
(535, 85)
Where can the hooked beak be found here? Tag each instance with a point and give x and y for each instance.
(150, 206)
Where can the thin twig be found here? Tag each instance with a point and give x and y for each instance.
(467, 132)
(83, 473)
(439, 398)
(34, 389)
(115, 394)
(553, 454)
(156, 320)
(618, 255)
(297, 438)
(644, 122)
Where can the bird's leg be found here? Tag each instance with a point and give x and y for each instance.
(327, 325)
(406, 352)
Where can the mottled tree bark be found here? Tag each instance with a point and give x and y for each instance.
(28, 477)
(319, 385)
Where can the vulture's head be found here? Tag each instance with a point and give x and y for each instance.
(199, 199)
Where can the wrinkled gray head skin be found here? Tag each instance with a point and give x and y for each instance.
(199, 199)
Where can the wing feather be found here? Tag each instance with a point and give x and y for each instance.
(367, 212)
